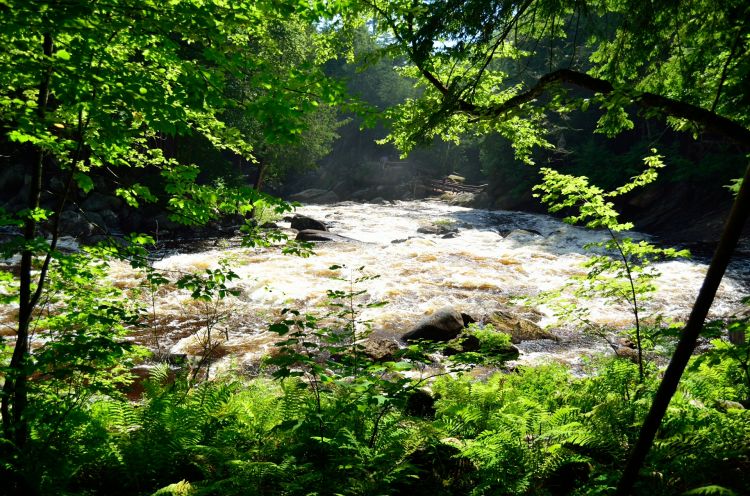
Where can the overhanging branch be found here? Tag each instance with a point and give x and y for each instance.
(708, 120)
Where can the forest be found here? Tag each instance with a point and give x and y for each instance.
(374, 247)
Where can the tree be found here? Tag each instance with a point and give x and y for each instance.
(685, 62)
(91, 85)
(287, 139)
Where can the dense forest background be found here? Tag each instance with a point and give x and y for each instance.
(341, 149)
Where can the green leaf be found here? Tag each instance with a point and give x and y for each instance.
(83, 181)
(279, 328)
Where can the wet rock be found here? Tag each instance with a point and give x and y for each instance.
(449, 235)
(303, 222)
(439, 228)
(504, 354)
(420, 403)
(443, 325)
(269, 225)
(381, 349)
(463, 199)
(519, 328)
(468, 319)
(314, 235)
(68, 244)
(315, 196)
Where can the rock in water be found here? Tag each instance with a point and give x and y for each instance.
(443, 325)
(381, 349)
(439, 227)
(520, 329)
(303, 222)
(314, 235)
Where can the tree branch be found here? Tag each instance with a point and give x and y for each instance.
(710, 121)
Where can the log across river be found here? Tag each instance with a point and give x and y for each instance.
(491, 258)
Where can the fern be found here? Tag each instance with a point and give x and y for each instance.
(710, 491)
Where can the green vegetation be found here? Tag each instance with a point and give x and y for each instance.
(539, 430)
(684, 63)
(622, 271)
(190, 105)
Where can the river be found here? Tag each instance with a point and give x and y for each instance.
(494, 257)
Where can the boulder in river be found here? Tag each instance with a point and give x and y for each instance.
(303, 222)
(438, 227)
(315, 235)
(519, 328)
(443, 325)
(463, 199)
(381, 349)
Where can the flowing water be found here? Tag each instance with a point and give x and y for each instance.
(495, 256)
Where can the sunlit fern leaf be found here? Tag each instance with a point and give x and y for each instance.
(182, 488)
(710, 491)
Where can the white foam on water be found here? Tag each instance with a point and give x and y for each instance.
(495, 255)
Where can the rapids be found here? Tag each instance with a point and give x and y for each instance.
(494, 257)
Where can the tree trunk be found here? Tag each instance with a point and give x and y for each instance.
(15, 393)
(728, 242)
(261, 173)
(257, 185)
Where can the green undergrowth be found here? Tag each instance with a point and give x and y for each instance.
(538, 430)
(325, 418)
